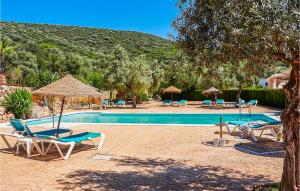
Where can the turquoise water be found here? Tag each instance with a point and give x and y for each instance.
(147, 118)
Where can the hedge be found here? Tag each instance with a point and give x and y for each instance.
(266, 97)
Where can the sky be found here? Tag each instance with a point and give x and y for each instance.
(149, 16)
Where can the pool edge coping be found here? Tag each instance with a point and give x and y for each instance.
(270, 115)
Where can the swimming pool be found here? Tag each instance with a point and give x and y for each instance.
(151, 118)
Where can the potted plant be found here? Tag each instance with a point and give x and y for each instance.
(19, 102)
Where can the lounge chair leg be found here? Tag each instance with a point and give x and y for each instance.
(228, 130)
(101, 141)
(43, 148)
(253, 136)
(37, 147)
(261, 133)
(48, 148)
(28, 149)
(68, 152)
(6, 142)
(273, 132)
(234, 129)
(17, 148)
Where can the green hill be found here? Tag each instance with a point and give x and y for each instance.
(85, 40)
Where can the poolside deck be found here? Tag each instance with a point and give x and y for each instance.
(144, 158)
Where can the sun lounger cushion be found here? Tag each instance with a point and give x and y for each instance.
(105, 102)
(25, 130)
(220, 101)
(120, 102)
(206, 102)
(251, 102)
(77, 138)
(51, 132)
(167, 101)
(237, 123)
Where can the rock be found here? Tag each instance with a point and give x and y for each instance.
(39, 111)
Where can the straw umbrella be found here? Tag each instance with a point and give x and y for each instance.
(212, 91)
(172, 90)
(64, 88)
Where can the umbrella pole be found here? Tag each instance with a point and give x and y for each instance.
(61, 111)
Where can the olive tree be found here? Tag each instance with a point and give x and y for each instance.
(130, 76)
(262, 31)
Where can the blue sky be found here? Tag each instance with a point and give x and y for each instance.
(149, 16)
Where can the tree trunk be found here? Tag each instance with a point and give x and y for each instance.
(238, 95)
(1, 61)
(290, 180)
(134, 102)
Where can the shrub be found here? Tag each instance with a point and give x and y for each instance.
(267, 187)
(144, 97)
(267, 97)
(18, 102)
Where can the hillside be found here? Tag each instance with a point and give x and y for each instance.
(85, 40)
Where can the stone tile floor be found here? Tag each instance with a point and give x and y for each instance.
(143, 158)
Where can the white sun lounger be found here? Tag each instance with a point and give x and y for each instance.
(270, 127)
(21, 141)
(252, 129)
(71, 142)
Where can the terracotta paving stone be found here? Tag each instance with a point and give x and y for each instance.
(143, 158)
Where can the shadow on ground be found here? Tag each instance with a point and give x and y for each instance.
(52, 155)
(264, 147)
(157, 174)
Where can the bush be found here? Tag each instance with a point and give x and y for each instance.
(18, 102)
(268, 187)
(267, 97)
(144, 97)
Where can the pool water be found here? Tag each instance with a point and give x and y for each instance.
(150, 118)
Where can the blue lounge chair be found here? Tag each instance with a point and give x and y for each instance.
(252, 103)
(67, 141)
(22, 134)
(206, 103)
(167, 102)
(105, 103)
(236, 124)
(73, 139)
(220, 102)
(120, 103)
(180, 103)
(22, 129)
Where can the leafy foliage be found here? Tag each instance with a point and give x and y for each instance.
(258, 32)
(131, 77)
(36, 55)
(87, 41)
(18, 102)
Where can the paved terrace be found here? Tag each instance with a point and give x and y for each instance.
(144, 158)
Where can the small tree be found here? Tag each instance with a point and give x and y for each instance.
(17, 74)
(18, 102)
(5, 48)
(132, 77)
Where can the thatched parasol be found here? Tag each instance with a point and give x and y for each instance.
(67, 87)
(172, 90)
(212, 91)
